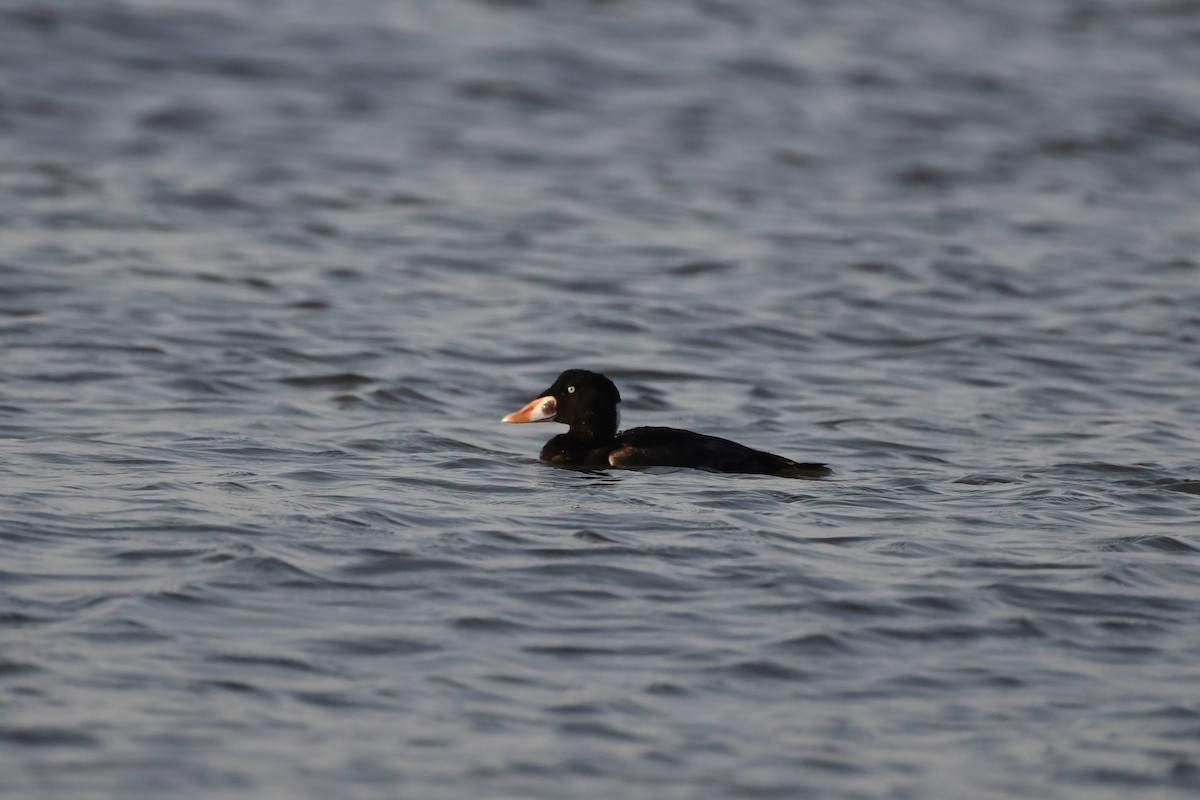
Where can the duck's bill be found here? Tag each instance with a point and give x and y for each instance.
(538, 410)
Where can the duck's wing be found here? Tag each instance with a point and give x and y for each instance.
(674, 447)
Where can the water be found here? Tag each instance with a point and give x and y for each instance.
(271, 272)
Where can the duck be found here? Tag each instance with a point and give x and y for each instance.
(587, 403)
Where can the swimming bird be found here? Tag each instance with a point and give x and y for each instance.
(587, 403)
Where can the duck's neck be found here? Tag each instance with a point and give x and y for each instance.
(598, 426)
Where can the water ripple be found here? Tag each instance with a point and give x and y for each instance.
(270, 273)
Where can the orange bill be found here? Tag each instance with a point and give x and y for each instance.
(539, 410)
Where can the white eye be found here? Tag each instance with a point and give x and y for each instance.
(570, 390)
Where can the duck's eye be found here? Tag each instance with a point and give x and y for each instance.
(570, 390)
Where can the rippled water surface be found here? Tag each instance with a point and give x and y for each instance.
(270, 273)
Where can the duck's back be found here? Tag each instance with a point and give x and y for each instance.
(674, 447)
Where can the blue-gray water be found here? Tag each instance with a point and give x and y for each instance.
(271, 272)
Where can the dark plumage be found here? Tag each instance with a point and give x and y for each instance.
(587, 403)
